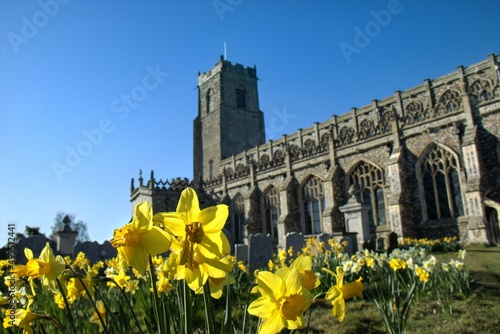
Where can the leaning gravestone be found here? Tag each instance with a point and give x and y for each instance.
(295, 240)
(260, 251)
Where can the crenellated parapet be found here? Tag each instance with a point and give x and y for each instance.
(228, 67)
(163, 195)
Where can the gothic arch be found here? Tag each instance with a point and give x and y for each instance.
(238, 223)
(310, 147)
(370, 181)
(449, 101)
(311, 205)
(439, 182)
(270, 208)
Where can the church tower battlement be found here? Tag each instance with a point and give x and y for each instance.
(229, 119)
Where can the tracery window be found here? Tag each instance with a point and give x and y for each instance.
(238, 218)
(441, 184)
(370, 182)
(271, 209)
(313, 202)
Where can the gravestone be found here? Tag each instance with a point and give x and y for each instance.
(393, 242)
(241, 252)
(260, 251)
(295, 240)
(324, 237)
(352, 243)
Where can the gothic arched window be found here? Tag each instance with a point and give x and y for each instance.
(313, 202)
(238, 218)
(271, 210)
(440, 180)
(370, 182)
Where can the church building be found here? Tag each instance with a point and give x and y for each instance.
(424, 162)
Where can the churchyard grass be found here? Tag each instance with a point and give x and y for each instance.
(476, 312)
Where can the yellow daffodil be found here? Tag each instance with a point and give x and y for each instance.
(397, 264)
(47, 267)
(95, 317)
(339, 293)
(200, 243)
(422, 274)
(81, 261)
(121, 280)
(242, 266)
(283, 301)
(139, 239)
(217, 285)
(303, 264)
(21, 318)
(59, 300)
(163, 285)
(203, 269)
(132, 286)
(75, 290)
(270, 265)
(370, 262)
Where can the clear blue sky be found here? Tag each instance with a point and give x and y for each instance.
(66, 65)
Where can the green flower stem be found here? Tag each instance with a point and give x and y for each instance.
(227, 321)
(70, 316)
(160, 321)
(246, 307)
(129, 305)
(188, 321)
(209, 310)
(91, 300)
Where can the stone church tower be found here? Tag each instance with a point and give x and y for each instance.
(229, 120)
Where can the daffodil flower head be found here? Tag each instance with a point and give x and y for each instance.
(303, 264)
(139, 239)
(22, 318)
(197, 230)
(47, 267)
(283, 301)
(200, 245)
(95, 317)
(339, 293)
